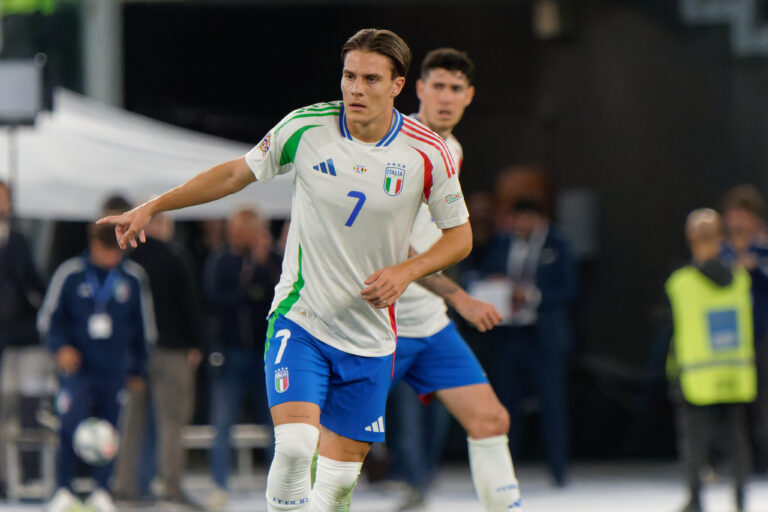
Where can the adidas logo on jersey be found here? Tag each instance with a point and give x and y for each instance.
(326, 167)
(376, 426)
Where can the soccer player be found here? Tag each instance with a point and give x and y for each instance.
(362, 171)
(431, 355)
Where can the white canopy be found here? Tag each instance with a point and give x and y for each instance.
(85, 151)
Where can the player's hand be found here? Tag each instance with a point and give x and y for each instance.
(130, 225)
(136, 383)
(385, 286)
(482, 315)
(68, 359)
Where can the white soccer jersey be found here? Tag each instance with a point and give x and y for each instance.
(421, 313)
(353, 209)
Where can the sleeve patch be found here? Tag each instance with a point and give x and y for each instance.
(452, 198)
(263, 146)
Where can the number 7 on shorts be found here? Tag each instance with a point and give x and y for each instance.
(283, 334)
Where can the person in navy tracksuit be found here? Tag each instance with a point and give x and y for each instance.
(532, 345)
(97, 319)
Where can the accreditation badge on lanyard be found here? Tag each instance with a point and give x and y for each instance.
(100, 323)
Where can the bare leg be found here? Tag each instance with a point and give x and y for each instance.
(477, 409)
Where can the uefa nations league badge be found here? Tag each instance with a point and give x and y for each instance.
(394, 179)
(281, 380)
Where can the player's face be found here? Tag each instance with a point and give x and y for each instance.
(368, 88)
(444, 95)
(742, 227)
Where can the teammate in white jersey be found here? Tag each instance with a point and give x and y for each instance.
(361, 172)
(431, 355)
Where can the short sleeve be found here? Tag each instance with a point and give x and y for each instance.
(266, 159)
(443, 194)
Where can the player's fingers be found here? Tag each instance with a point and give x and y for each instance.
(373, 277)
(373, 291)
(142, 236)
(119, 232)
(110, 219)
(377, 300)
(378, 289)
(377, 303)
(386, 302)
(493, 320)
(370, 293)
(126, 238)
(382, 299)
(391, 297)
(484, 324)
(386, 297)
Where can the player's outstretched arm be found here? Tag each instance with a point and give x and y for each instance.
(482, 315)
(387, 284)
(217, 182)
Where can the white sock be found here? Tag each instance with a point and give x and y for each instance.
(493, 474)
(288, 485)
(334, 484)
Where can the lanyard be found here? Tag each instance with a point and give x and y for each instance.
(524, 255)
(101, 294)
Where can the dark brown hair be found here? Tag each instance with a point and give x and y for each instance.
(745, 197)
(450, 59)
(104, 234)
(383, 42)
(115, 203)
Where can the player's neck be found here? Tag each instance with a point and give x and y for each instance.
(444, 133)
(373, 130)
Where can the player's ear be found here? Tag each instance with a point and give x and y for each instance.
(397, 85)
(419, 88)
(470, 95)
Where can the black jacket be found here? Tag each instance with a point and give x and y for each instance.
(240, 293)
(174, 293)
(21, 292)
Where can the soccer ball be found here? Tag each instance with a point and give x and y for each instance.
(96, 441)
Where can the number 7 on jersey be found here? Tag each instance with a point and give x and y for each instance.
(360, 200)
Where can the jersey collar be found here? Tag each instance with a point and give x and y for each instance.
(397, 124)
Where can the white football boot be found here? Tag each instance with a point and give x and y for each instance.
(100, 501)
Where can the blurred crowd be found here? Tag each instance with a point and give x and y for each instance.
(198, 306)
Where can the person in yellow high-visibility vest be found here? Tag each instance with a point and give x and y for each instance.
(711, 361)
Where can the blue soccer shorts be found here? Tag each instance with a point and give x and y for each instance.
(350, 390)
(441, 361)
